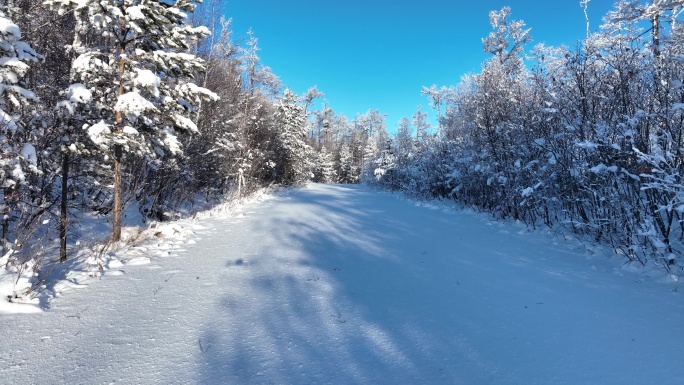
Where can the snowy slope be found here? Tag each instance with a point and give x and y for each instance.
(342, 285)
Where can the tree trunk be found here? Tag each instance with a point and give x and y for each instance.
(118, 156)
(116, 225)
(63, 220)
(5, 223)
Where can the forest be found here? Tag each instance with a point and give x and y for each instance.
(585, 138)
(148, 104)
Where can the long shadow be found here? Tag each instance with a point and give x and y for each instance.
(347, 286)
(338, 297)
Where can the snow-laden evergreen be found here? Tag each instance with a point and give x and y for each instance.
(137, 82)
(292, 135)
(18, 155)
(324, 169)
(123, 84)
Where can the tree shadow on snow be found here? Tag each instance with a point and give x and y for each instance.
(348, 290)
(346, 286)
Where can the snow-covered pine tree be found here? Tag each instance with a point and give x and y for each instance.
(404, 152)
(136, 78)
(17, 153)
(324, 169)
(295, 150)
(345, 164)
(404, 139)
(385, 164)
(214, 158)
(422, 126)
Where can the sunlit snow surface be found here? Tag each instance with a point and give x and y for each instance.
(341, 285)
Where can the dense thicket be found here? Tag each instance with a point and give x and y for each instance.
(586, 137)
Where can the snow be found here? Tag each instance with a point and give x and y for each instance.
(184, 123)
(552, 159)
(171, 142)
(78, 93)
(658, 243)
(527, 191)
(198, 31)
(13, 69)
(86, 62)
(8, 29)
(18, 174)
(128, 130)
(133, 104)
(28, 152)
(192, 88)
(600, 168)
(342, 285)
(98, 132)
(7, 122)
(587, 145)
(147, 79)
(135, 13)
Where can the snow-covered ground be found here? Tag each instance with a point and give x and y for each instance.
(338, 284)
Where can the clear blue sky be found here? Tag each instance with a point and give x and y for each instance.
(379, 53)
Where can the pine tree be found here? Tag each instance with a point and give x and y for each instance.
(17, 154)
(422, 127)
(292, 139)
(324, 170)
(345, 165)
(136, 79)
(404, 139)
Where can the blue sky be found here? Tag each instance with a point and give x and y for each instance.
(379, 53)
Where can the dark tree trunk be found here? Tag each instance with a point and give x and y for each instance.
(63, 220)
(116, 225)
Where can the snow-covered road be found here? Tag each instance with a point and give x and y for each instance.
(337, 284)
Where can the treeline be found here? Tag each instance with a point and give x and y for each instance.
(152, 105)
(587, 137)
